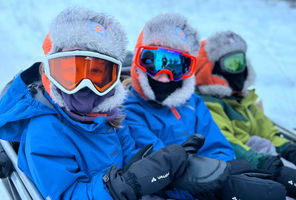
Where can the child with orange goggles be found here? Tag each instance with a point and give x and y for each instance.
(73, 70)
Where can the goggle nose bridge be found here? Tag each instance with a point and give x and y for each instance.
(165, 71)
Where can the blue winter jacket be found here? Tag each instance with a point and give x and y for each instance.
(160, 126)
(64, 158)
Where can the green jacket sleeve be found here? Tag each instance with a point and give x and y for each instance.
(242, 151)
(265, 128)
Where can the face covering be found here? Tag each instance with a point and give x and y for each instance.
(235, 80)
(163, 90)
(82, 103)
(84, 100)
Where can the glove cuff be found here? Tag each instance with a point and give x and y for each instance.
(131, 180)
(273, 165)
(288, 151)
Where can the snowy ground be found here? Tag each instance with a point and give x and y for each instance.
(269, 27)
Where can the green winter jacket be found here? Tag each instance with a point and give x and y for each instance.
(239, 121)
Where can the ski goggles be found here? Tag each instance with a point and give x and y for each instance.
(73, 70)
(156, 60)
(233, 62)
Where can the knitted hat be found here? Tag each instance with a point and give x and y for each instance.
(86, 29)
(210, 52)
(170, 31)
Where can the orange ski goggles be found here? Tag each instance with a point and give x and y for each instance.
(155, 60)
(74, 70)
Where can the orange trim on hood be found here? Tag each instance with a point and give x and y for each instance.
(47, 44)
(134, 73)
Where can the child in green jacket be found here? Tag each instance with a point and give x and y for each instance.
(222, 78)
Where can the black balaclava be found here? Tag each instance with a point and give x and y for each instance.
(163, 90)
(235, 80)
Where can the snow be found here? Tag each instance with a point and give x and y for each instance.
(268, 26)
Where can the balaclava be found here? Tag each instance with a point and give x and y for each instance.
(169, 31)
(210, 78)
(97, 32)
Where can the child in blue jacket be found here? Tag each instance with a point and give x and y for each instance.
(162, 108)
(64, 112)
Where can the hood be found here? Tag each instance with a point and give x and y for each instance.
(170, 31)
(211, 50)
(97, 32)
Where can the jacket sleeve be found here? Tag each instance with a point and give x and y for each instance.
(140, 131)
(216, 145)
(241, 150)
(127, 142)
(54, 169)
(265, 127)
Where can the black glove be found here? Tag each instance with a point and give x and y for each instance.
(281, 174)
(147, 175)
(193, 143)
(6, 167)
(202, 174)
(246, 183)
(244, 187)
(289, 153)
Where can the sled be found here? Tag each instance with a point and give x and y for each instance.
(17, 185)
(287, 133)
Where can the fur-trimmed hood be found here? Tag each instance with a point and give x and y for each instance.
(171, 31)
(86, 29)
(210, 52)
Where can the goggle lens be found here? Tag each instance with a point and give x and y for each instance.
(71, 70)
(158, 59)
(234, 63)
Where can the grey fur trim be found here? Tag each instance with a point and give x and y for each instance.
(251, 76)
(215, 90)
(107, 105)
(56, 96)
(177, 98)
(181, 95)
(164, 30)
(114, 101)
(222, 43)
(226, 91)
(76, 27)
(145, 84)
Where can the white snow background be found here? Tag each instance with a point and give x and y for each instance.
(268, 26)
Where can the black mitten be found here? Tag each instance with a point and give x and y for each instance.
(287, 177)
(6, 167)
(273, 165)
(202, 174)
(147, 175)
(244, 187)
(281, 174)
(246, 183)
(193, 143)
(289, 153)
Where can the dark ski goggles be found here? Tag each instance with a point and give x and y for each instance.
(156, 60)
(233, 62)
